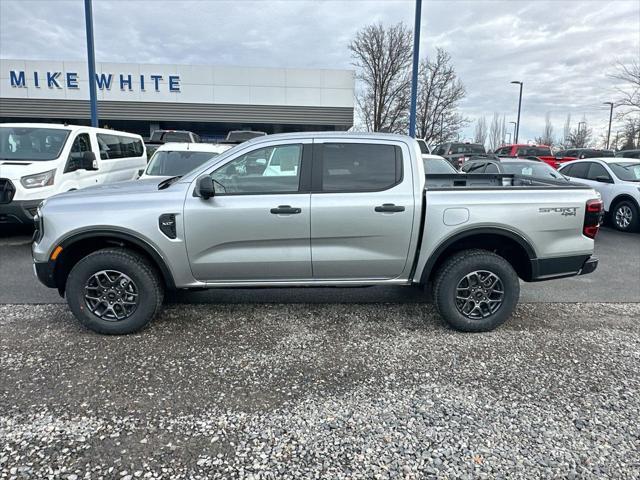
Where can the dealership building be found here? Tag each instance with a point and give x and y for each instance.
(208, 100)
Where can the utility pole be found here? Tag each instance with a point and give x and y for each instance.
(91, 60)
(517, 82)
(414, 76)
(610, 118)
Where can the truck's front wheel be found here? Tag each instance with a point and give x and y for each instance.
(114, 291)
(476, 290)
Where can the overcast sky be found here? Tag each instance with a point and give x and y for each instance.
(562, 50)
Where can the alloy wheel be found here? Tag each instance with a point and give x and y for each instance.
(624, 215)
(479, 294)
(111, 295)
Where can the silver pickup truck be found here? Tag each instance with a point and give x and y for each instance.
(314, 209)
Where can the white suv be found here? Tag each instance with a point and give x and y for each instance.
(176, 159)
(618, 181)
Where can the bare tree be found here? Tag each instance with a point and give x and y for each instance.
(566, 131)
(440, 92)
(495, 132)
(382, 56)
(547, 134)
(503, 130)
(581, 136)
(480, 135)
(629, 92)
(631, 134)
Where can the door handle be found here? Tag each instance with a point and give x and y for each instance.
(285, 209)
(389, 207)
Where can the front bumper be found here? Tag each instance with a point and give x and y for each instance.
(18, 212)
(46, 273)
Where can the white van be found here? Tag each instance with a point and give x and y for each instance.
(38, 160)
(178, 158)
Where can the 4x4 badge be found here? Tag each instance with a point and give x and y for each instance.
(564, 211)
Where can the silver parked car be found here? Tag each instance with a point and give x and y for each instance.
(314, 209)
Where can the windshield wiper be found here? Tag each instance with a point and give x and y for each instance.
(168, 182)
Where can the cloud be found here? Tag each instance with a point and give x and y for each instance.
(561, 50)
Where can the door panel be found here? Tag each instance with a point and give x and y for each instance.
(237, 238)
(358, 235)
(257, 226)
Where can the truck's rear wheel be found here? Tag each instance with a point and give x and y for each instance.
(114, 291)
(476, 291)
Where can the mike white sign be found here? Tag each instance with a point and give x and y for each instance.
(168, 83)
(18, 79)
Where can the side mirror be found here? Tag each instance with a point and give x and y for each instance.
(205, 188)
(88, 161)
(603, 179)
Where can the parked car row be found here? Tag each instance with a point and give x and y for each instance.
(617, 179)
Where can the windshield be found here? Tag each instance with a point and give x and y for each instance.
(169, 163)
(33, 144)
(627, 171)
(466, 148)
(531, 169)
(534, 151)
(436, 165)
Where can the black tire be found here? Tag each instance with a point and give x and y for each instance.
(138, 275)
(620, 216)
(454, 273)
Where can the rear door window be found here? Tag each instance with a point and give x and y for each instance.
(580, 170)
(596, 170)
(359, 167)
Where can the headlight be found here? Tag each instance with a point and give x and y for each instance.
(43, 179)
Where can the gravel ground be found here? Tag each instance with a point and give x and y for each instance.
(322, 391)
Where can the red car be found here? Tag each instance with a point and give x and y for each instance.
(543, 152)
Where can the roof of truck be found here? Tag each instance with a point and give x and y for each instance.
(336, 135)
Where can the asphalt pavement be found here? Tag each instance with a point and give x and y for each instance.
(617, 279)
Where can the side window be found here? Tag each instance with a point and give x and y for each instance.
(360, 167)
(596, 170)
(80, 145)
(130, 147)
(491, 168)
(266, 170)
(567, 170)
(579, 170)
(116, 146)
(109, 146)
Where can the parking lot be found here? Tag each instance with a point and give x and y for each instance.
(325, 383)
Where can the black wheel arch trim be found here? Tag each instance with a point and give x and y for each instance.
(621, 198)
(127, 237)
(426, 272)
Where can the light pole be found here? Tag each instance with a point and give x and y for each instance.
(515, 132)
(414, 77)
(508, 133)
(516, 82)
(91, 60)
(610, 117)
(582, 123)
